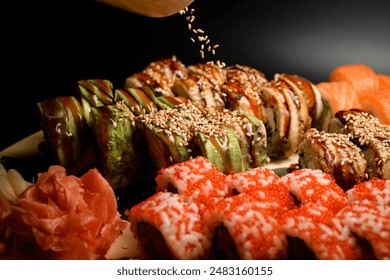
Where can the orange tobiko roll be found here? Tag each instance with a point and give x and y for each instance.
(311, 234)
(374, 190)
(370, 222)
(167, 226)
(244, 228)
(197, 179)
(263, 183)
(315, 186)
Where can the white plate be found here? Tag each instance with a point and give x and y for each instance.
(26, 147)
(125, 246)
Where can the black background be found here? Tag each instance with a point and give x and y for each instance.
(47, 46)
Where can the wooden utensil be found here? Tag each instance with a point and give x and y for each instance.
(150, 8)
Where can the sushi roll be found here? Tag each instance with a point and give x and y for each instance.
(318, 105)
(315, 186)
(202, 86)
(189, 89)
(370, 223)
(244, 228)
(168, 133)
(197, 180)
(311, 234)
(251, 133)
(66, 133)
(377, 103)
(265, 185)
(335, 154)
(137, 100)
(94, 93)
(300, 99)
(360, 76)
(159, 76)
(374, 190)
(255, 178)
(285, 116)
(276, 117)
(167, 70)
(370, 135)
(167, 226)
(245, 75)
(121, 154)
(241, 89)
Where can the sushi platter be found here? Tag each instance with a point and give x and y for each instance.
(204, 143)
(193, 150)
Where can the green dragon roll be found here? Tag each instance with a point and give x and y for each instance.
(94, 93)
(118, 145)
(65, 132)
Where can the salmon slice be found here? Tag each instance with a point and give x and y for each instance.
(341, 95)
(377, 103)
(384, 81)
(359, 76)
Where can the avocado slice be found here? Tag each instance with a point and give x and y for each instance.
(94, 93)
(168, 101)
(212, 149)
(123, 95)
(223, 150)
(146, 103)
(65, 129)
(256, 131)
(234, 155)
(118, 142)
(164, 149)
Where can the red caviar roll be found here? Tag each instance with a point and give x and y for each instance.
(370, 222)
(197, 179)
(260, 177)
(374, 190)
(314, 185)
(244, 228)
(168, 227)
(311, 234)
(265, 184)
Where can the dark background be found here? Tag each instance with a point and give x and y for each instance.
(48, 46)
